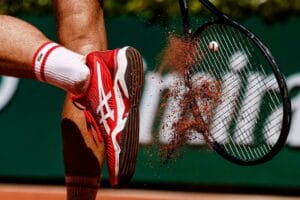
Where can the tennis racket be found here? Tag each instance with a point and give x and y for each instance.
(248, 119)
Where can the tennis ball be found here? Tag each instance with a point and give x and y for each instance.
(213, 46)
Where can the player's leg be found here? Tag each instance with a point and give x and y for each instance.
(27, 53)
(119, 106)
(19, 41)
(80, 28)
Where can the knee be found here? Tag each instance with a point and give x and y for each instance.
(82, 31)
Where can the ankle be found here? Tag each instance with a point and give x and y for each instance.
(82, 188)
(61, 67)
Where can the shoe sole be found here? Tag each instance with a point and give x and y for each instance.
(134, 77)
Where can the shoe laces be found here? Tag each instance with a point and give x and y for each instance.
(91, 123)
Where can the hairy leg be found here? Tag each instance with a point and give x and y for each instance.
(81, 28)
(27, 53)
(19, 41)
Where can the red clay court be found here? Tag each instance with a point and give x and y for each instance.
(29, 192)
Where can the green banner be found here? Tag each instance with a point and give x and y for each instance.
(30, 146)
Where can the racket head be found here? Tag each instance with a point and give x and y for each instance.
(250, 120)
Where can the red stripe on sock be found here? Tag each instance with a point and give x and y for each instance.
(44, 62)
(36, 54)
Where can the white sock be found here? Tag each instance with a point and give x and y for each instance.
(61, 67)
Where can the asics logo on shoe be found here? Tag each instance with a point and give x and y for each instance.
(103, 108)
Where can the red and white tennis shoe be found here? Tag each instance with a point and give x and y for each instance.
(112, 107)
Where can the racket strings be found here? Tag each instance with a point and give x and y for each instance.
(243, 64)
(260, 82)
(239, 149)
(245, 138)
(252, 154)
(230, 87)
(250, 101)
(265, 83)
